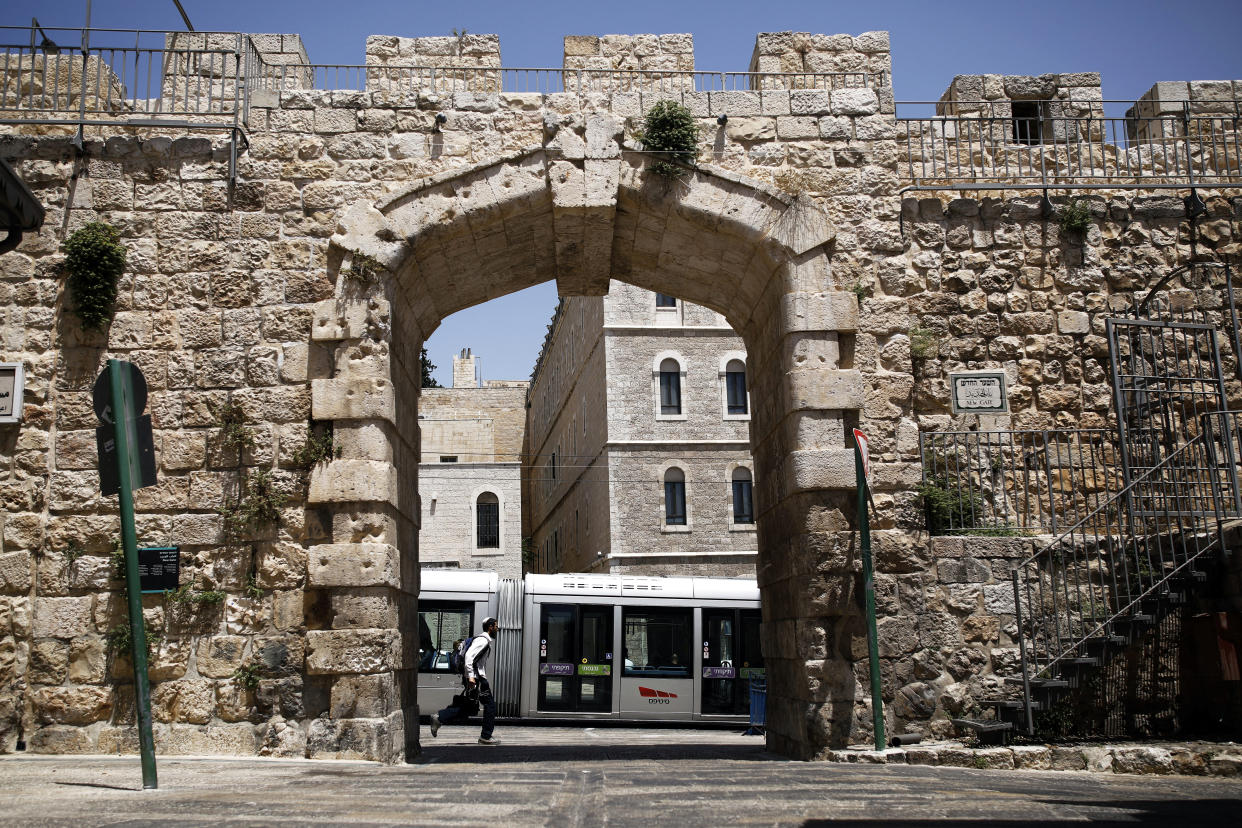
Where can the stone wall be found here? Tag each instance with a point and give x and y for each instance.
(793, 217)
(655, 55)
(475, 424)
(447, 534)
(803, 53)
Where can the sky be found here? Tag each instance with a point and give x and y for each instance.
(1132, 44)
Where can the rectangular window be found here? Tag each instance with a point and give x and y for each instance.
(656, 642)
(1026, 122)
(735, 391)
(743, 502)
(670, 392)
(663, 300)
(440, 626)
(675, 502)
(448, 458)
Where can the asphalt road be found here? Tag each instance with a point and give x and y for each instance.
(592, 776)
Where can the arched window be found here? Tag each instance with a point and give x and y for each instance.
(735, 387)
(743, 496)
(670, 387)
(675, 497)
(487, 521)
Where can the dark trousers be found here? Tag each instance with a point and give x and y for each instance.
(488, 702)
(460, 709)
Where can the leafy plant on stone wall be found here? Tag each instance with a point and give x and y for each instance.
(318, 447)
(252, 588)
(1074, 218)
(121, 638)
(258, 504)
(187, 594)
(923, 344)
(363, 269)
(669, 128)
(94, 262)
(951, 504)
(233, 432)
(248, 675)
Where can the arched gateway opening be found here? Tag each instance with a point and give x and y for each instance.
(582, 210)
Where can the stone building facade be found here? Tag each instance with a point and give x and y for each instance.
(297, 276)
(470, 469)
(623, 477)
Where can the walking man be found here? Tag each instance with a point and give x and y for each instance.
(476, 682)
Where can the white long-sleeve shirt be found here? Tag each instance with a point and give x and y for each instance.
(476, 656)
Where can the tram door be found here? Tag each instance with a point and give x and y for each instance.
(575, 658)
(731, 658)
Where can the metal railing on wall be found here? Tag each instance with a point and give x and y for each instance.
(410, 80)
(1106, 572)
(1001, 482)
(125, 77)
(993, 144)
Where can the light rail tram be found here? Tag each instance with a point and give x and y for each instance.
(596, 646)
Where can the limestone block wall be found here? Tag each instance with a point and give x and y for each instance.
(633, 385)
(568, 417)
(797, 54)
(243, 296)
(485, 423)
(664, 61)
(447, 528)
(58, 82)
(1214, 104)
(989, 284)
(709, 543)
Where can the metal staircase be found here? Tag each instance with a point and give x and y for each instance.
(1107, 583)
(1088, 595)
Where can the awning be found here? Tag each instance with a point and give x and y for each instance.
(19, 209)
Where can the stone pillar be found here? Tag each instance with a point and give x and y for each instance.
(808, 567)
(359, 589)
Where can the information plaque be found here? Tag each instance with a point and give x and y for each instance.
(159, 568)
(979, 392)
(12, 386)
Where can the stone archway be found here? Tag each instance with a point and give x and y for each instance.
(581, 209)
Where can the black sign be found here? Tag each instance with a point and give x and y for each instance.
(159, 568)
(101, 395)
(109, 474)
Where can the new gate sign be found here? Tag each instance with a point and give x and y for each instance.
(979, 392)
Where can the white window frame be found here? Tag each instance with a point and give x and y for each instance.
(740, 527)
(655, 384)
(725, 359)
(490, 551)
(675, 528)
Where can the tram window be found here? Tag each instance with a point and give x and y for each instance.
(657, 642)
(440, 627)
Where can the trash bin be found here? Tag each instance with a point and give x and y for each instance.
(758, 706)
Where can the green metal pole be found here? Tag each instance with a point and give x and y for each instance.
(123, 415)
(873, 645)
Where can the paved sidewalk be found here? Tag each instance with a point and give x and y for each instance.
(590, 776)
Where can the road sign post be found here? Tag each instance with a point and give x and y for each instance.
(862, 469)
(123, 391)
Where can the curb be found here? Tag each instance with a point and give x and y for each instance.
(1189, 759)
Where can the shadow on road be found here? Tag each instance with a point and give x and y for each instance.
(526, 754)
(1180, 812)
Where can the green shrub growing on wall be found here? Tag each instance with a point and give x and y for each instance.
(670, 128)
(1075, 218)
(94, 260)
